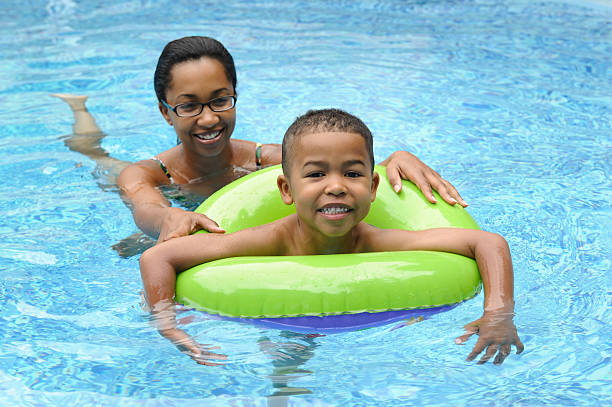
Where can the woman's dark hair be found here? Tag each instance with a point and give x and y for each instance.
(188, 49)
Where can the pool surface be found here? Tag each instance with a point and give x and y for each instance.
(509, 100)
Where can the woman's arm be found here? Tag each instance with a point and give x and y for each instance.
(495, 328)
(152, 212)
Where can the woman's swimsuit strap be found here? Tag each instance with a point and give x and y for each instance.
(258, 155)
(258, 147)
(164, 169)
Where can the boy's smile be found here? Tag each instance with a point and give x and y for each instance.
(331, 183)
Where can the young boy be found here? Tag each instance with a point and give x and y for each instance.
(328, 173)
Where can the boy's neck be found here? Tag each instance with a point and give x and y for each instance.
(310, 242)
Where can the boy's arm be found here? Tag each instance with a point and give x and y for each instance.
(492, 254)
(160, 264)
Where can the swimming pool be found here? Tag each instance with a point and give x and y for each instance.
(510, 100)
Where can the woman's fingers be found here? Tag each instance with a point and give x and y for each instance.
(426, 189)
(445, 189)
(394, 178)
(204, 222)
(185, 224)
(396, 173)
(426, 180)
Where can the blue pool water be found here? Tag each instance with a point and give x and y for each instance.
(510, 100)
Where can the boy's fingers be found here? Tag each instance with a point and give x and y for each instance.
(519, 346)
(212, 364)
(209, 346)
(478, 348)
(214, 356)
(463, 338)
(205, 361)
(204, 357)
(503, 353)
(470, 329)
(491, 351)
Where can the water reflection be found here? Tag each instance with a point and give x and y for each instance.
(287, 358)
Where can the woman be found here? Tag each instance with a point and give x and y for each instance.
(195, 84)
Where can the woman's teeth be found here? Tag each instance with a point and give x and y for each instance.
(208, 136)
(334, 210)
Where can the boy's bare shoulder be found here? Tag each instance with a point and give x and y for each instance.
(366, 237)
(375, 239)
(276, 236)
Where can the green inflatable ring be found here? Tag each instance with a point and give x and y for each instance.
(325, 285)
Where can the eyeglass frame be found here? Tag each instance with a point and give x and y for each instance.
(202, 105)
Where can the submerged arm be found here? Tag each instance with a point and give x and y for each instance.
(495, 328)
(160, 264)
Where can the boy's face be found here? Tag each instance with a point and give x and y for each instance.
(330, 181)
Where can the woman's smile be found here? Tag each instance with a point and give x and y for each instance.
(208, 136)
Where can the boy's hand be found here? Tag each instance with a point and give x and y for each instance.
(497, 334)
(404, 165)
(198, 352)
(177, 223)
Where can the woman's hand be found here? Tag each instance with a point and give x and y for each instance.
(497, 334)
(404, 165)
(178, 222)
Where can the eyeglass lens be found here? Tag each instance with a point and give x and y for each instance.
(216, 105)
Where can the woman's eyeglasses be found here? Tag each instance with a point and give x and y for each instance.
(191, 109)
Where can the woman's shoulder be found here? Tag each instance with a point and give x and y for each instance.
(271, 154)
(250, 153)
(151, 170)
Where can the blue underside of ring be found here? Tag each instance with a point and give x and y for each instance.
(340, 323)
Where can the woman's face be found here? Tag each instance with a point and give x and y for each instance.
(200, 80)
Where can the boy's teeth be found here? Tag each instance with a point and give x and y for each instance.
(208, 136)
(334, 210)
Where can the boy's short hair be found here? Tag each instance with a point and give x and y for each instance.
(325, 120)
